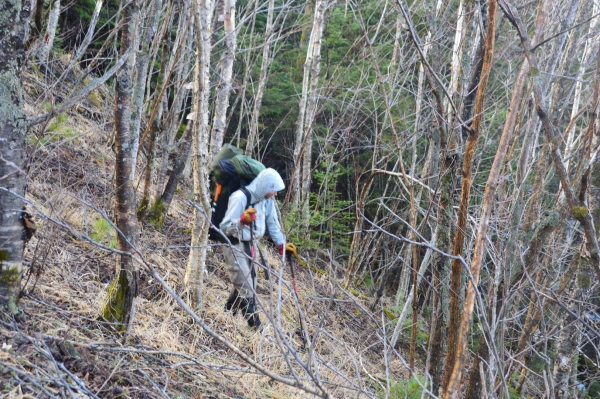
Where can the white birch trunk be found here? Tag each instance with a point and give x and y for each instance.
(85, 43)
(307, 112)
(262, 81)
(311, 109)
(203, 10)
(13, 157)
(299, 138)
(48, 39)
(226, 71)
(456, 56)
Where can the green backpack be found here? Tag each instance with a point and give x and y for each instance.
(230, 171)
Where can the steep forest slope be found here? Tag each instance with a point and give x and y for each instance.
(441, 162)
(59, 346)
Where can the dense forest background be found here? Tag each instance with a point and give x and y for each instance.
(440, 161)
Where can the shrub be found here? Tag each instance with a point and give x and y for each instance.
(407, 389)
(104, 233)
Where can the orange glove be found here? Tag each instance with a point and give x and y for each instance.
(291, 248)
(248, 216)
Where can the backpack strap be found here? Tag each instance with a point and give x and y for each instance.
(248, 197)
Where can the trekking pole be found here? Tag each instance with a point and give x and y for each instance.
(289, 259)
(252, 270)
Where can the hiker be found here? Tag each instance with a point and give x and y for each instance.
(260, 215)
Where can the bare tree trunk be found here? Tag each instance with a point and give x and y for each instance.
(475, 91)
(307, 109)
(441, 273)
(262, 80)
(194, 273)
(48, 41)
(156, 126)
(176, 174)
(38, 23)
(119, 303)
(184, 41)
(12, 156)
(457, 50)
(85, 43)
(311, 107)
(447, 185)
(141, 75)
(226, 71)
(455, 358)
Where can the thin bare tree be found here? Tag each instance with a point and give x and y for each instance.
(119, 303)
(225, 75)
(194, 273)
(48, 39)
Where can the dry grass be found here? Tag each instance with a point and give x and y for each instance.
(57, 342)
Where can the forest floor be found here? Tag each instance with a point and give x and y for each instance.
(58, 347)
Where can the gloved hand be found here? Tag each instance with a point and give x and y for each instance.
(280, 249)
(291, 249)
(248, 216)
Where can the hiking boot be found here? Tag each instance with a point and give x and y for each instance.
(250, 312)
(233, 302)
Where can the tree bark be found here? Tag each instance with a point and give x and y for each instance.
(474, 93)
(226, 72)
(307, 108)
(183, 41)
(38, 23)
(176, 174)
(156, 128)
(12, 155)
(570, 333)
(441, 273)
(203, 11)
(141, 75)
(455, 360)
(262, 81)
(48, 40)
(120, 298)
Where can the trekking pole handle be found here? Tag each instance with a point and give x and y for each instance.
(289, 259)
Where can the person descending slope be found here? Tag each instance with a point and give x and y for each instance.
(245, 222)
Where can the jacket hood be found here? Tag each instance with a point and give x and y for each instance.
(266, 182)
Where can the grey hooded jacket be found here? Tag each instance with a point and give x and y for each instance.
(266, 182)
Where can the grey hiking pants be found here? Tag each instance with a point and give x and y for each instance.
(239, 267)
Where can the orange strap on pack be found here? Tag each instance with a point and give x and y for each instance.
(217, 191)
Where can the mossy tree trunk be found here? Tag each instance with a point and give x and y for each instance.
(12, 154)
(120, 299)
